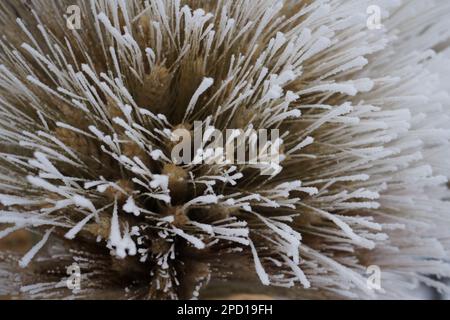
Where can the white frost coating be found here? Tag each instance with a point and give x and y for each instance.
(74, 231)
(299, 273)
(41, 183)
(83, 202)
(206, 83)
(199, 244)
(160, 181)
(33, 251)
(285, 77)
(363, 118)
(363, 85)
(208, 199)
(163, 197)
(130, 207)
(8, 200)
(122, 246)
(301, 145)
(258, 266)
(19, 218)
(204, 227)
(156, 154)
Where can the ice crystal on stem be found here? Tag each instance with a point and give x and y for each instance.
(89, 117)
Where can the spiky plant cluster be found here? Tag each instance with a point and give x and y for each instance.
(86, 131)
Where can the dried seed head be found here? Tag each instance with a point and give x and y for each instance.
(100, 228)
(155, 91)
(88, 119)
(178, 181)
(179, 214)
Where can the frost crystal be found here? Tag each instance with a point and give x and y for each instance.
(89, 117)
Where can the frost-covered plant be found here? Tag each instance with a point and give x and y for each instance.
(86, 131)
